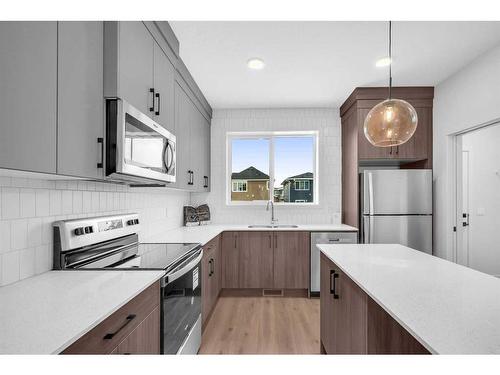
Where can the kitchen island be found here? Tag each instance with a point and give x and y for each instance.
(404, 301)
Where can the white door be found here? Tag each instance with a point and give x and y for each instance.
(478, 199)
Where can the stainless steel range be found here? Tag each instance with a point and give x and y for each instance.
(112, 242)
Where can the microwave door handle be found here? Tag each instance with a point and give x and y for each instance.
(170, 156)
(166, 161)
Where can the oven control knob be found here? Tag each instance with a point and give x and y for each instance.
(130, 222)
(89, 230)
(79, 231)
(136, 221)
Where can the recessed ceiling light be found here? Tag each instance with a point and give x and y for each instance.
(256, 64)
(384, 61)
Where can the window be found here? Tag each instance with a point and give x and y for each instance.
(239, 186)
(281, 166)
(302, 185)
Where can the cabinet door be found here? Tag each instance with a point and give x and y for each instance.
(198, 148)
(206, 146)
(28, 69)
(80, 99)
(291, 260)
(365, 149)
(207, 282)
(256, 260)
(183, 119)
(327, 306)
(135, 59)
(164, 81)
(145, 338)
(230, 260)
(217, 276)
(350, 315)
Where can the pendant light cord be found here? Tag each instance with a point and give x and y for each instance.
(390, 59)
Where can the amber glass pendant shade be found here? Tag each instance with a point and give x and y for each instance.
(390, 123)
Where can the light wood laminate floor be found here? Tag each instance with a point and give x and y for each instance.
(263, 325)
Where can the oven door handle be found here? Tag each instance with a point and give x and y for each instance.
(188, 267)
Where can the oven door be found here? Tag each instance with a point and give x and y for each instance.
(136, 146)
(181, 307)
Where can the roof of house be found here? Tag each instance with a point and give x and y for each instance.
(307, 175)
(251, 173)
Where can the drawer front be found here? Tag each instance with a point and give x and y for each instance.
(104, 338)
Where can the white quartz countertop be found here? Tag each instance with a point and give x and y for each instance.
(448, 308)
(204, 233)
(47, 313)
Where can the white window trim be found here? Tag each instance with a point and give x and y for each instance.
(303, 180)
(271, 134)
(237, 182)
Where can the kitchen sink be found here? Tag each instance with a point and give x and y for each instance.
(274, 226)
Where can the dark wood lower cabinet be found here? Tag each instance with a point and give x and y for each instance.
(353, 323)
(265, 260)
(133, 329)
(211, 277)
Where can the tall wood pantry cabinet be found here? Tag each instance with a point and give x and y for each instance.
(358, 152)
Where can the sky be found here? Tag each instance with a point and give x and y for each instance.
(293, 156)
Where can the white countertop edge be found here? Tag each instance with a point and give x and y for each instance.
(381, 304)
(159, 275)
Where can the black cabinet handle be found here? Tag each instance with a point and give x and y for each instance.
(157, 95)
(152, 108)
(333, 277)
(129, 318)
(390, 152)
(397, 150)
(191, 178)
(209, 267)
(205, 178)
(101, 163)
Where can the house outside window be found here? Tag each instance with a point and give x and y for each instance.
(278, 166)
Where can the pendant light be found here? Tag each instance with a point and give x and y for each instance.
(393, 121)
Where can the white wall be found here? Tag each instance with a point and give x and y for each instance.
(326, 121)
(28, 207)
(484, 198)
(468, 98)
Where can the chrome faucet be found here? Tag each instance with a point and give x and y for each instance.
(273, 219)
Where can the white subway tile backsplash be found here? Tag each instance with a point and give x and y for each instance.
(67, 202)
(19, 234)
(10, 267)
(27, 199)
(77, 202)
(28, 208)
(42, 202)
(26, 263)
(55, 202)
(34, 231)
(10, 203)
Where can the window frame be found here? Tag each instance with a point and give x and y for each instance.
(239, 182)
(299, 180)
(271, 135)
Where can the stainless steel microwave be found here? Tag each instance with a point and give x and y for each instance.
(138, 150)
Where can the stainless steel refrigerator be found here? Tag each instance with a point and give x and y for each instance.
(396, 207)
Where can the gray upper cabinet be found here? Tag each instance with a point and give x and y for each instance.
(80, 99)
(28, 69)
(164, 82)
(128, 63)
(193, 142)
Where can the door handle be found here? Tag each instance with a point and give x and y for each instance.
(101, 163)
(128, 319)
(152, 91)
(205, 178)
(158, 103)
(210, 267)
(190, 181)
(333, 277)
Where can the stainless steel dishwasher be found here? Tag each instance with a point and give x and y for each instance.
(325, 238)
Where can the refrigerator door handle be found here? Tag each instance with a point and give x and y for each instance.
(370, 193)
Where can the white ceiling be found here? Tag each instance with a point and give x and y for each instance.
(318, 64)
